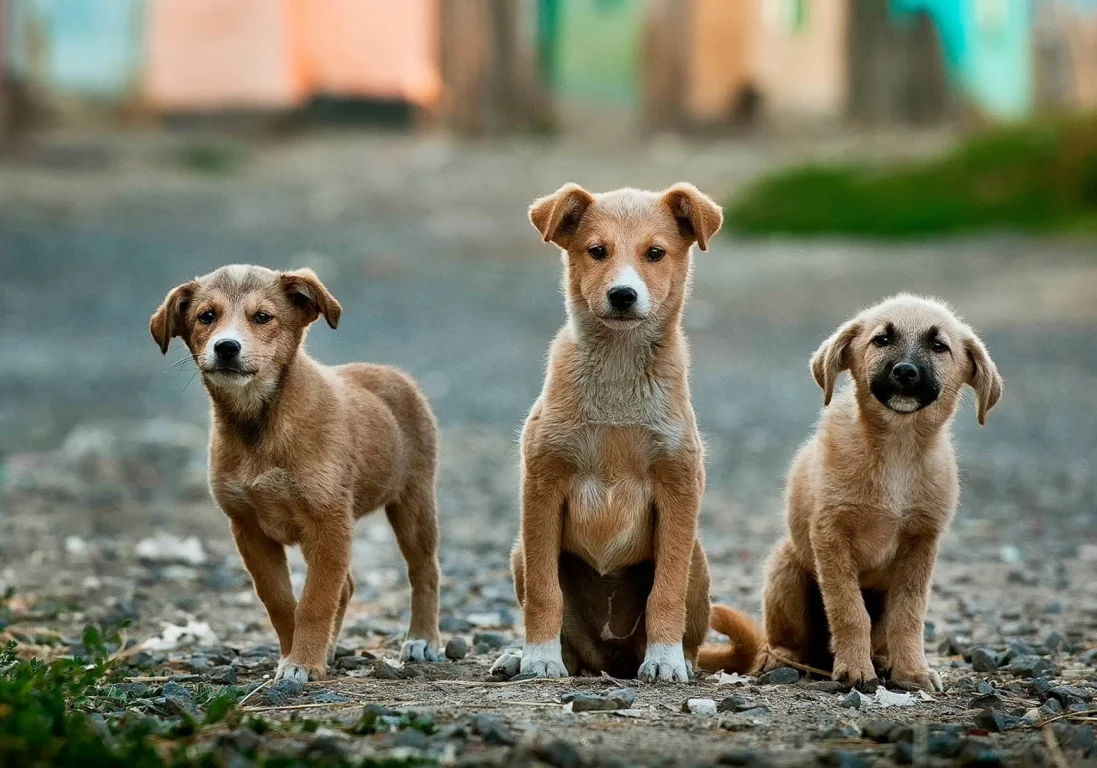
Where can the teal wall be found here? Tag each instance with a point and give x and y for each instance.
(593, 47)
(86, 48)
(987, 47)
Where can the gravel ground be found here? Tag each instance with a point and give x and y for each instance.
(426, 245)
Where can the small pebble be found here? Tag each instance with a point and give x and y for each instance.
(329, 697)
(779, 676)
(287, 686)
(492, 730)
(852, 700)
(493, 640)
(225, 675)
(557, 752)
(984, 659)
(457, 648)
(706, 707)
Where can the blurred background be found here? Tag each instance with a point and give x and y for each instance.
(860, 148)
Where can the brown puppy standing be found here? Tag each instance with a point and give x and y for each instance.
(299, 451)
(871, 493)
(608, 568)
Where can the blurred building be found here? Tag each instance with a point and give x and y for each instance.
(484, 66)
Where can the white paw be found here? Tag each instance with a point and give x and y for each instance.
(508, 665)
(418, 650)
(290, 671)
(664, 664)
(543, 660)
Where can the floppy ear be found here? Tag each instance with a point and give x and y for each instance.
(168, 321)
(832, 358)
(983, 378)
(305, 290)
(697, 215)
(557, 216)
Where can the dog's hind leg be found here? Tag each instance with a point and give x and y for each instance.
(785, 609)
(414, 520)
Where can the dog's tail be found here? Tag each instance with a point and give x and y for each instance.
(745, 650)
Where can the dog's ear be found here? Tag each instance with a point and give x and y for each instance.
(304, 290)
(832, 358)
(169, 321)
(983, 377)
(698, 216)
(557, 216)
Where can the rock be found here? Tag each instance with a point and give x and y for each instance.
(130, 690)
(978, 753)
(827, 686)
(1083, 738)
(1055, 642)
(945, 743)
(1078, 708)
(950, 646)
(166, 548)
(1030, 666)
(984, 688)
(853, 700)
(600, 702)
(843, 758)
(984, 659)
(493, 640)
(382, 670)
(351, 663)
(491, 729)
(1069, 694)
(454, 624)
(223, 675)
(988, 701)
(507, 666)
(1017, 648)
(342, 652)
(1039, 687)
(326, 748)
(879, 729)
(557, 752)
(457, 648)
(328, 697)
(990, 720)
(779, 676)
(734, 703)
(755, 713)
(1089, 657)
(1051, 708)
(287, 686)
(706, 707)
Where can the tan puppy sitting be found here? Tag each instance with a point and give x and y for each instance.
(871, 493)
(607, 567)
(299, 451)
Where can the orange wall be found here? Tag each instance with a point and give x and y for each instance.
(223, 54)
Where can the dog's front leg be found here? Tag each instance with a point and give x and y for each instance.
(326, 548)
(265, 560)
(905, 613)
(839, 583)
(543, 606)
(678, 489)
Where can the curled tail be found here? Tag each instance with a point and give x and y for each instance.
(745, 650)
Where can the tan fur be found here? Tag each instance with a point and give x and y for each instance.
(608, 562)
(299, 451)
(868, 498)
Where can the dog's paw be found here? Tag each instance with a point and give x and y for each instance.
(543, 660)
(417, 650)
(856, 672)
(301, 673)
(508, 665)
(925, 679)
(664, 664)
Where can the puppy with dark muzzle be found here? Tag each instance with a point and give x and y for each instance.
(299, 451)
(870, 494)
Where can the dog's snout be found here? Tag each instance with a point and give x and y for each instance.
(227, 349)
(621, 297)
(905, 374)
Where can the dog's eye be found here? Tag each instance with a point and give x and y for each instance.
(881, 340)
(597, 252)
(655, 253)
(262, 317)
(938, 346)
(207, 317)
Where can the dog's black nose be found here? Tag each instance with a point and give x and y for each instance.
(226, 349)
(905, 374)
(621, 297)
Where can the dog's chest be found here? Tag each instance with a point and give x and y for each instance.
(609, 499)
(273, 497)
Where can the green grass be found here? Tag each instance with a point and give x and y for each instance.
(1036, 178)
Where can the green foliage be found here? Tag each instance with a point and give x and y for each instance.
(1038, 177)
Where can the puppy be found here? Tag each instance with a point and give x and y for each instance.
(871, 493)
(607, 567)
(299, 451)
